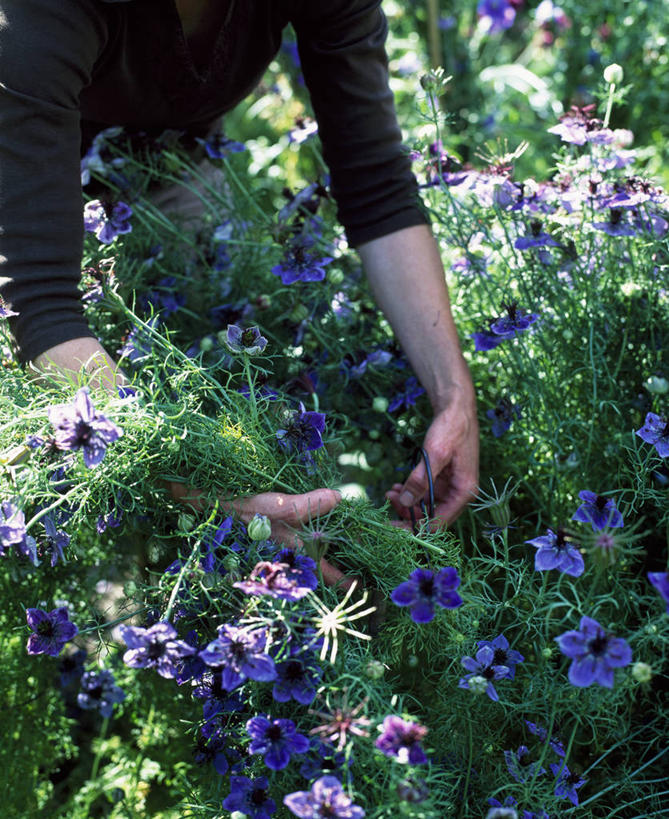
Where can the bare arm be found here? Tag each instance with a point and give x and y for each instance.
(64, 362)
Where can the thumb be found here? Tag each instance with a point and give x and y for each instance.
(415, 486)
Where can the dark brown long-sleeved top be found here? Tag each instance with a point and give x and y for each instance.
(127, 62)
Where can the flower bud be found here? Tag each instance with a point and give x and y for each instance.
(264, 301)
(412, 661)
(374, 669)
(336, 277)
(657, 385)
(380, 404)
(642, 672)
(260, 527)
(547, 653)
(206, 344)
(477, 684)
(231, 563)
(186, 522)
(299, 313)
(613, 74)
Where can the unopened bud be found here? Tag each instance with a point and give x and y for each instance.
(186, 522)
(336, 277)
(613, 74)
(657, 385)
(642, 672)
(264, 301)
(299, 313)
(375, 669)
(380, 404)
(547, 652)
(206, 344)
(260, 527)
(477, 684)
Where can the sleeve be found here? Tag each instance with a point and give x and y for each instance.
(342, 50)
(47, 52)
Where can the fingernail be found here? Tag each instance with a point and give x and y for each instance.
(406, 498)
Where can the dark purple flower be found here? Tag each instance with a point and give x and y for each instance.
(51, 631)
(218, 146)
(99, 691)
(554, 741)
(617, 224)
(79, 426)
(496, 15)
(241, 653)
(303, 431)
(107, 219)
(482, 672)
(324, 758)
(249, 797)
(271, 579)
(408, 395)
(655, 431)
(502, 416)
(211, 746)
(401, 740)
(326, 798)
(566, 782)
(598, 511)
(5, 311)
(661, 582)
(520, 768)
(276, 740)
(594, 654)
(155, 647)
(556, 552)
(297, 678)
(536, 238)
(56, 540)
(71, 667)
(424, 589)
(13, 532)
(514, 321)
(299, 265)
(503, 655)
(139, 343)
(247, 341)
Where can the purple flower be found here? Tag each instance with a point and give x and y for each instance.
(556, 552)
(51, 631)
(570, 129)
(598, 511)
(211, 746)
(661, 582)
(107, 219)
(249, 797)
(502, 416)
(655, 431)
(273, 580)
(303, 431)
(297, 678)
(566, 783)
(520, 768)
(324, 758)
(401, 740)
(242, 655)
(13, 532)
(71, 667)
(276, 740)
(99, 691)
(483, 671)
(155, 647)
(407, 397)
(247, 341)
(218, 146)
(6, 312)
(326, 798)
(536, 238)
(554, 741)
(496, 15)
(616, 225)
(56, 540)
(424, 589)
(299, 265)
(78, 426)
(503, 654)
(505, 326)
(594, 654)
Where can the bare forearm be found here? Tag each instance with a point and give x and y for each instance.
(65, 361)
(407, 279)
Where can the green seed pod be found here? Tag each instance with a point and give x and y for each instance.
(336, 277)
(478, 684)
(186, 522)
(613, 74)
(206, 344)
(299, 313)
(642, 672)
(374, 670)
(657, 385)
(380, 404)
(260, 527)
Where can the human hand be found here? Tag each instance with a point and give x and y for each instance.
(63, 363)
(287, 514)
(452, 446)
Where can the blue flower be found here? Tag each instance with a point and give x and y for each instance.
(556, 552)
(155, 647)
(13, 532)
(326, 798)
(79, 426)
(598, 511)
(655, 431)
(303, 430)
(503, 654)
(661, 582)
(483, 672)
(297, 678)
(107, 219)
(496, 15)
(423, 590)
(56, 540)
(247, 341)
(241, 653)
(51, 631)
(521, 769)
(276, 740)
(503, 327)
(249, 797)
(594, 654)
(299, 265)
(218, 146)
(98, 691)
(402, 740)
(502, 416)
(566, 782)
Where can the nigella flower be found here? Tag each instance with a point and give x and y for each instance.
(6, 312)
(79, 426)
(276, 740)
(211, 746)
(554, 741)
(299, 567)
(407, 397)
(401, 739)
(56, 540)
(520, 768)
(503, 654)
(218, 146)
(324, 758)
(326, 798)
(297, 678)
(98, 691)
(273, 580)
(661, 582)
(496, 15)
(71, 667)
(107, 219)
(617, 224)
(247, 341)
(303, 431)
(482, 672)
(13, 532)
(424, 589)
(566, 782)
(241, 653)
(536, 238)
(249, 797)
(502, 416)
(155, 647)
(598, 511)
(51, 630)
(300, 265)
(556, 552)
(503, 327)
(655, 431)
(594, 654)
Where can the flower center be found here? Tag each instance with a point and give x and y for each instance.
(46, 629)
(597, 645)
(294, 671)
(274, 733)
(426, 586)
(258, 796)
(155, 651)
(600, 503)
(500, 657)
